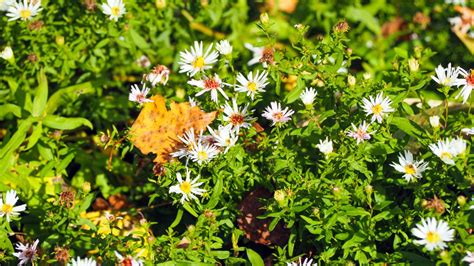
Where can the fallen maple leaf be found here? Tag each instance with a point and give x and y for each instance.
(156, 129)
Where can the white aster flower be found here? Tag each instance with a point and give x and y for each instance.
(25, 10)
(253, 84)
(82, 262)
(409, 167)
(377, 107)
(224, 47)
(446, 76)
(459, 146)
(26, 253)
(360, 133)
(210, 84)
(128, 260)
(189, 142)
(276, 114)
(5, 4)
(308, 96)
(224, 136)
(325, 146)
(456, 2)
(257, 54)
(433, 234)
(235, 116)
(434, 121)
(467, 83)
(192, 102)
(194, 61)
(446, 150)
(203, 153)
(187, 188)
(8, 207)
(305, 262)
(139, 96)
(7, 54)
(468, 131)
(159, 74)
(469, 258)
(114, 9)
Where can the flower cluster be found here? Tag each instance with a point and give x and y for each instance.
(455, 76)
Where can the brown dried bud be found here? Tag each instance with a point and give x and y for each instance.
(184, 243)
(104, 138)
(341, 27)
(422, 19)
(66, 199)
(436, 204)
(33, 58)
(209, 214)
(61, 254)
(267, 56)
(159, 169)
(36, 25)
(90, 4)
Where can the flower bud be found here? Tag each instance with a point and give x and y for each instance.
(351, 80)
(279, 196)
(160, 4)
(413, 65)
(434, 121)
(264, 18)
(180, 93)
(86, 187)
(8, 55)
(369, 189)
(367, 76)
(461, 200)
(59, 40)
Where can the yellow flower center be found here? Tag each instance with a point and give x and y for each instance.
(25, 13)
(115, 11)
(278, 116)
(185, 187)
(377, 109)
(410, 169)
(202, 155)
(445, 155)
(252, 86)
(433, 237)
(199, 62)
(7, 208)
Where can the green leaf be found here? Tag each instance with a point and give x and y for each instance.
(67, 95)
(364, 17)
(407, 126)
(34, 137)
(41, 96)
(65, 123)
(176, 221)
(215, 198)
(401, 52)
(190, 209)
(138, 40)
(254, 258)
(17, 139)
(10, 108)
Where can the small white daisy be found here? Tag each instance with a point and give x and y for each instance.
(128, 260)
(257, 54)
(203, 153)
(325, 146)
(159, 74)
(468, 131)
(187, 188)
(444, 150)
(467, 83)
(8, 207)
(308, 96)
(276, 114)
(377, 107)
(459, 146)
(139, 96)
(114, 9)
(26, 253)
(409, 167)
(224, 136)
(189, 142)
(194, 61)
(82, 262)
(446, 76)
(224, 47)
(305, 262)
(469, 258)
(210, 84)
(7, 54)
(253, 84)
(5, 4)
(433, 234)
(236, 117)
(25, 10)
(360, 133)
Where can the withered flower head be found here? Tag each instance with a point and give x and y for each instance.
(61, 254)
(436, 204)
(341, 27)
(267, 56)
(66, 198)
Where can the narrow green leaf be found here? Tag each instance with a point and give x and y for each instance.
(254, 258)
(17, 139)
(41, 96)
(65, 123)
(9, 108)
(34, 137)
(67, 95)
